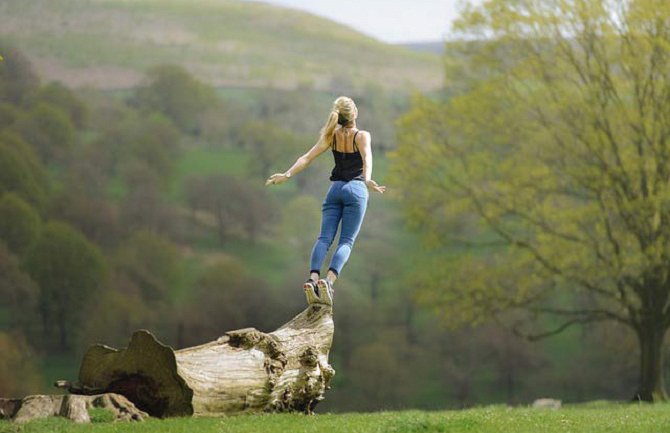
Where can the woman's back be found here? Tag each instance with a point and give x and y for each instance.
(344, 140)
(348, 160)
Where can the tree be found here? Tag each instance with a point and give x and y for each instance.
(300, 233)
(18, 370)
(173, 91)
(57, 95)
(69, 271)
(144, 206)
(19, 222)
(82, 201)
(149, 139)
(49, 130)
(225, 296)
(151, 263)
(8, 115)
(156, 144)
(21, 171)
(17, 78)
(236, 205)
(546, 170)
(18, 293)
(270, 144)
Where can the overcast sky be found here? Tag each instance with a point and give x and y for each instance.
(388, 20)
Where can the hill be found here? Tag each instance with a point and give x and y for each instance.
(435, 47)
(109, 44)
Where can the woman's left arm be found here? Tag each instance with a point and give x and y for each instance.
(366, 153)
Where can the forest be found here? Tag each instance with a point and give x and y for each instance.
(147, 210)
(144, 208)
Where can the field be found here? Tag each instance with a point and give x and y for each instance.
(111, 43)
(592, 418)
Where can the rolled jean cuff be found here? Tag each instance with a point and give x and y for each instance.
(337, 274)
(315, 271)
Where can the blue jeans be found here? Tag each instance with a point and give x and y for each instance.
(346, 202)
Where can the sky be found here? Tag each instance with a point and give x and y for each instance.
(392, 21)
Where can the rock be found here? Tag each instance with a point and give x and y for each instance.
(547, 403)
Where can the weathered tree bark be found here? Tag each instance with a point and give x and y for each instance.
(243, 371)
(74, 407)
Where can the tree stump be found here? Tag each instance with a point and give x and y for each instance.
(242, 371)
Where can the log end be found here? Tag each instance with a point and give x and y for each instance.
(145, 372)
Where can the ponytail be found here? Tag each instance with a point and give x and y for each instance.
(329, 128)
(344, 111)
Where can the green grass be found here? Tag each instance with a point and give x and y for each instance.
(203, 161)
(595, 418)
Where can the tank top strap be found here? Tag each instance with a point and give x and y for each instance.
(354, 141)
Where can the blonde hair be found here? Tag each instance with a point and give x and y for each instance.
(344, 111)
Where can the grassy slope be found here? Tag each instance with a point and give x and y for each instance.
(110, 43)
(605, 417)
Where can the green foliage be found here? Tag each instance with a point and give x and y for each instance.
(19, 222)
(548, 167)
(19, 295)
(175, 93)
(116, 312)
(8, 115)
(155, 143)
(57, 95)
(21, 171)
(136, 147)
(17, 78)
(18, 371)
(300, 216)
(82, 203)
(381, 332)
(236, 205)
(49, 130)
(267, 143)
(149, 262)
(224, 297)
(145, 205)
(69, 270)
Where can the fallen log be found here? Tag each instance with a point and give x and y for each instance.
(242, 371)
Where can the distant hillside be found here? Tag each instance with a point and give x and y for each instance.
(436, 47)
(110, 43)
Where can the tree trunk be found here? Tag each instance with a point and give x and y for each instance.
(652, 385)
(243, 371)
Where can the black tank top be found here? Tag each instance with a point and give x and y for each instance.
(348, 165)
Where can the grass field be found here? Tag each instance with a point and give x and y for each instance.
(592, 418)
(110, 43)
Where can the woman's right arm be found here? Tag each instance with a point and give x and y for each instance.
(300, 164)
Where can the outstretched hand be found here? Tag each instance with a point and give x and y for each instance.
(371, 184)
(276, 179)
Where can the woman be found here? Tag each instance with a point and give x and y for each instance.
(347, 197)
